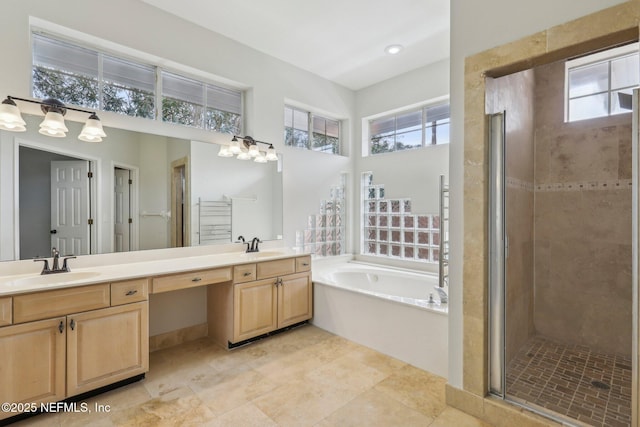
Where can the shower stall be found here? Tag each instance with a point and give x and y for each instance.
(563, 289)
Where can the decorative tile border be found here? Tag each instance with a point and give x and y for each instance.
(620, 184)
(521, 185)
(584, 186)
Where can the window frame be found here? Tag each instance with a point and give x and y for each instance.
(310, 131)
(423, 108)
(159, 68)
(607, 56)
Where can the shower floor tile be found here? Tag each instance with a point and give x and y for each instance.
(572, 381)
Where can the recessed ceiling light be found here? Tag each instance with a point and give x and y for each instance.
(393, 49)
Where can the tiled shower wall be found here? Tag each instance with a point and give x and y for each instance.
(582, 222)
(515, 94)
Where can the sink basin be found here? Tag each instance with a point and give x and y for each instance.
(52, 279)
(265, 254)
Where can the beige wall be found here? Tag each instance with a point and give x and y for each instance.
(582, 222)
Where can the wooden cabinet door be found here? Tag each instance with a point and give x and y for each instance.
(32, 362)
(294, 299)
(105, 346)
(255, 309)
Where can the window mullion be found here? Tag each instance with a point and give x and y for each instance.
(203, 115)
(609, 87)
(101, 81)
(158, 112)
(309, 131)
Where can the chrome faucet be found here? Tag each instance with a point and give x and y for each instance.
(444, 298)
(241, 240)
(254, 245)
(56, 267)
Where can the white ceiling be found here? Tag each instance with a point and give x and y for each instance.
(340, 40)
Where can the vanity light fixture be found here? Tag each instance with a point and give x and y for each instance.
(246, 148)
(53, 123)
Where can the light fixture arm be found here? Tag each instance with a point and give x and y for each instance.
(53, 124)
(51, 104)
(248, 141)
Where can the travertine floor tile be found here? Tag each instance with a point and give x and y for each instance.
(374, 409)
(246, 416)
(451, 417)
(302, 403)
(416, 389)
(304, 377)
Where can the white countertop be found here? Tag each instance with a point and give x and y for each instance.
(32, 282)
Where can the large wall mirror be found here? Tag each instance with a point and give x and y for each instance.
(145, 192)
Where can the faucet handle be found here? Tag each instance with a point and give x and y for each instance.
(45, 268)
(65, 267)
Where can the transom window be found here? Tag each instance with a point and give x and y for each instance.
(601, 84)
(90, 78)
(324, 135)
(406, 130)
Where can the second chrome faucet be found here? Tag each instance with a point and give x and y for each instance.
(55, 268)
(251, 246)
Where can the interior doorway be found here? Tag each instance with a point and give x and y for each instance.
(122, 216)
(180, 203)
(56, 203)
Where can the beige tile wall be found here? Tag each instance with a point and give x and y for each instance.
(582, 235)
(595, 31)
(514, 94)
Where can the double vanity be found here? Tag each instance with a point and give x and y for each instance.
(63, 335)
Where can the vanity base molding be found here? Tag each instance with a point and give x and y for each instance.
(75, 399)
(231, 345)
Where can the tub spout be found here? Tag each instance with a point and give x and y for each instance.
(442, 294)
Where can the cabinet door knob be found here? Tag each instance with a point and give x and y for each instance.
(61, 326)
(131, 292)
(72, 325)
(196, 279)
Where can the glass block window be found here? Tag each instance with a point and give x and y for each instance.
(407, 130)
(304, 129)
(325, 234)
(87, 77)
(391, 229)
(601, 84)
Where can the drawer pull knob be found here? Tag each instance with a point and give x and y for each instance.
(247, 273)
(61, 326)
(196, 279)
(305, 264)
(131, 292)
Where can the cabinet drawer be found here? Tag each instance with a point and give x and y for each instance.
(303, 263)
(279, 267)
(5, 311)
(129, 291)
(244, 273)
(190, 280)
(43, 305)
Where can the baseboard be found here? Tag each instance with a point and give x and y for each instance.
(179, 336)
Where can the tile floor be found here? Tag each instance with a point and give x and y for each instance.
(303, 377)
(559, 377)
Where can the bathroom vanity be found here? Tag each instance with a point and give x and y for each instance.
(71, 333)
